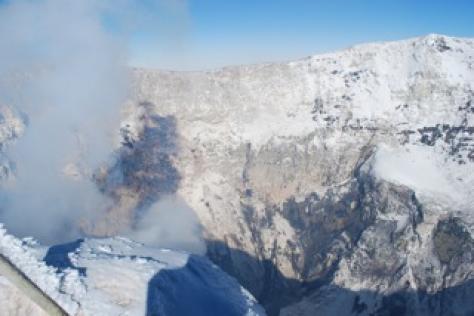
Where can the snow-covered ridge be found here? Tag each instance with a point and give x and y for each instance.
(395, 85)
(116, 276)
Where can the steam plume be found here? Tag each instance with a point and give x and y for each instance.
(73, 81)
(64, 67)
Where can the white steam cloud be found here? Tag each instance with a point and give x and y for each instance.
(73, 81)
(170, 223)
(67, 73)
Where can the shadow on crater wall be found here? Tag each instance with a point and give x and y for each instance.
(273, 291)
(276, 291)
(144, 163)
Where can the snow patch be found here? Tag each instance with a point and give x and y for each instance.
(429, 173)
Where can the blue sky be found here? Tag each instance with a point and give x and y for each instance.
(224, 32)
(204, 34)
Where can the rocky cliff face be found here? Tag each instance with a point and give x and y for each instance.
(340, 183)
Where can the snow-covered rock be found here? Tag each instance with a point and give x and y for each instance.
(116, 276)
